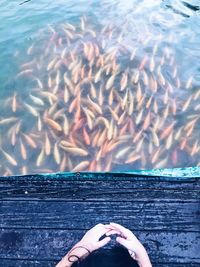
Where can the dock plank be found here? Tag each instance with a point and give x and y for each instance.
(102, 188)
(42, 217)
(52, 244)
(40, 263)
(147, 216)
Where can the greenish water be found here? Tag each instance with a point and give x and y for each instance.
(62, 111)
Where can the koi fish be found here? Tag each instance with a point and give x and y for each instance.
(132, 158)
(81, 166)
(36, 100)
(23, 150)
(110, 82)
(124, 81)
(76, 151)
(40, 158)
(56, 154)
(9, 158)
(47, 145)
(8, 120)
(32, 110)
(167, 131)
(29, 140)
(56, 126)
(147, 121)
(25, 72)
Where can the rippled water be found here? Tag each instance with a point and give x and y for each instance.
(99, 85)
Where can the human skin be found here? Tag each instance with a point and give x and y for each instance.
(127, 239)
(90, 242)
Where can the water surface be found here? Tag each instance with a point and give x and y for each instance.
(99, 85)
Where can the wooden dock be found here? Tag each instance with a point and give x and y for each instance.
(41, 217)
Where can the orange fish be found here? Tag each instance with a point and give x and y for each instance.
(132, 158)
(124, 81)
(187, 103)
(86, 137)
(183, 143)
(29, 140)
(56, 154)
(47, 145)
(137, 136)
(23, 150)
(76, 151)
(10, 159)
(108, 164)
(102, 138)
(166, 132)
(143, 62)
(93, 91)
(174, 157)
(110, 82)
(155, 156)
(81, 166)
(40, 158)
(53, 124)
(147, 121)
(94, 105)
(92, 166)
(148, 103)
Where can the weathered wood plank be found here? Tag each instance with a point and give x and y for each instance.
(40, 263)
(109, 187)
(164, 210)
(52, 244)
(25, 263)
(151, 215)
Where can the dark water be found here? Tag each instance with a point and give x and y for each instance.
(99, 85)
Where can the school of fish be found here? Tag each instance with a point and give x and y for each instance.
(94, 104)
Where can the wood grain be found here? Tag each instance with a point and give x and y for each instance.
(147, 216)
(98, 187)
(52, 244)
(42, 217)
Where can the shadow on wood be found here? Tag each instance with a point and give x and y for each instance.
(117, 257)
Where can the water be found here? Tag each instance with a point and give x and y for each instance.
(99, 85)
